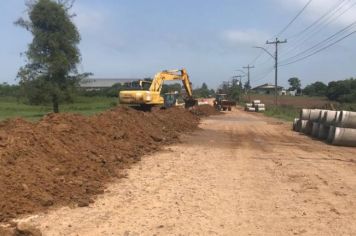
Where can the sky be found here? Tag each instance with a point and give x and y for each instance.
(212, 39)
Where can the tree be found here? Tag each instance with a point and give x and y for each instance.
(233, 89)
(203, 91)
(316, 89)
(53, 55)
(342, 91)
(7, 90)
(294, 83)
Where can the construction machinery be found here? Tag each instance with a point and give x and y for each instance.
(221, 102)
(170, 99)
(146, 99)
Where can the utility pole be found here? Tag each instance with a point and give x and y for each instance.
(240, 84)
(276, 42)
(238, 77)
(248, 67)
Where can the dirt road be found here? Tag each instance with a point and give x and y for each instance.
(241, 174)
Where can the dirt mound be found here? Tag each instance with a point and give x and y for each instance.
(67, 159)
(205, 110)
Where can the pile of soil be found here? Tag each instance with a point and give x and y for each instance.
(66, 159)
(205, 110)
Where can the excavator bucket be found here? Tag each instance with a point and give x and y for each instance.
(190, 102)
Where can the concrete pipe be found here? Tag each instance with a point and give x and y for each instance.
(323, 132)
(247, 106)
(260, 109)
(314, 115)
(321, 115)
(347, 119)
(315, 129)
(304, 114)
(329, 118)
(295, 124)
(308, 128)
(250, 109)
(344, 137)
(302, 125)
(260, 105)
(255, 102)
(298, 125)
(336, 119)
(331, 134)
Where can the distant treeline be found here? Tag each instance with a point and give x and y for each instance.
(341, 91)
(29, 93)
(7, 90)
(201, 92)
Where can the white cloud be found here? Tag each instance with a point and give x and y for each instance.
(90, 19)
(345, 13)
(245, 37)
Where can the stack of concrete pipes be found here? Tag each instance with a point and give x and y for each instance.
(336, 127)
(255, 106)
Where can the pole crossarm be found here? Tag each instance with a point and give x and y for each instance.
(245, 74)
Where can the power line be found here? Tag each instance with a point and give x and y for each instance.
(319, 28)
(320, 50)
(268, 47)
(256, 58)
(295, 18)
(263, 72)
(322, 42)
(264, 75)
(319, 25)
(333, 8)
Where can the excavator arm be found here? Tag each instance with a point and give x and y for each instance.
(182, 75)
(167, 75)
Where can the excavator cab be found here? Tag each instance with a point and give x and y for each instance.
(170, 99)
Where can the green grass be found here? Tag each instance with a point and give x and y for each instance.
(347, 106)
(11, 108)
(283, 112)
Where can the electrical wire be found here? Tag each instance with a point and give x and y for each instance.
(330, 38)
(320, 50)
(256, 58)
(264, 75)
(333, 8)
(318, 29)
(295, 18)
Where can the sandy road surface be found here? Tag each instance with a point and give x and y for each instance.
(241, 174)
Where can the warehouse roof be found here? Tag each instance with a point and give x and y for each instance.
(266, 86)
(104, 83)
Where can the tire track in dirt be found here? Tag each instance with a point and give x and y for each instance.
(240, 174)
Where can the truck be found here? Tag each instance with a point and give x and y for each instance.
(222, 103)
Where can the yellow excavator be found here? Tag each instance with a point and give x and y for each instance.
(146, 99)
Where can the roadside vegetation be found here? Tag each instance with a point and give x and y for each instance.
(284, 112)
(12, 107)
(339, 95)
